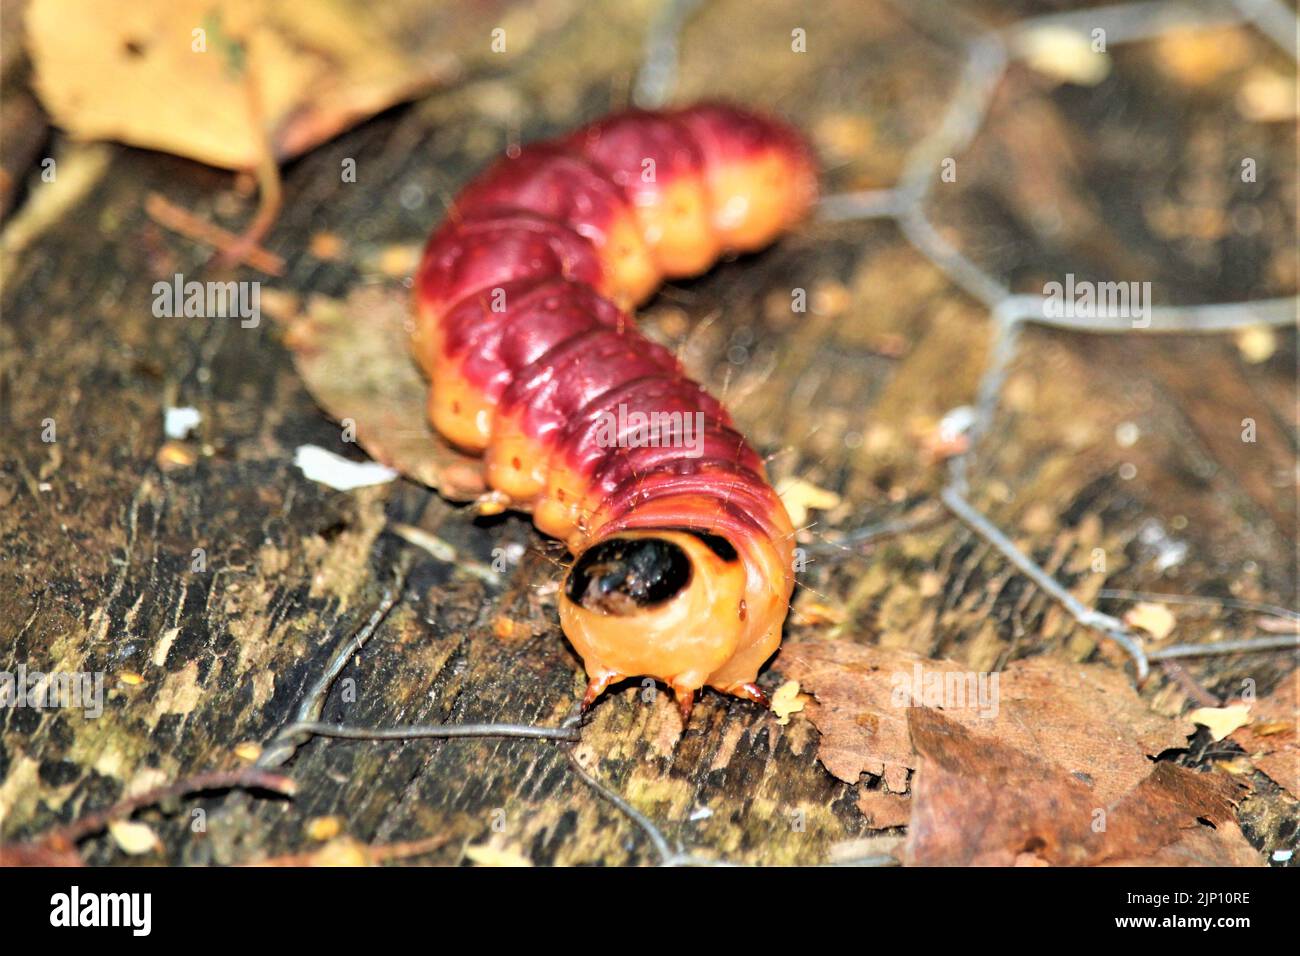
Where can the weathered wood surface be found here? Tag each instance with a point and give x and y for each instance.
(1133, 180)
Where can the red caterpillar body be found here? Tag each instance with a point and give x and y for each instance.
(682, 565)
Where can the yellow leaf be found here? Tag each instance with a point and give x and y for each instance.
(135, 839)
(323, 828)
(1156, 619)
(209, 79)
(485, 855)
(1256, 343)
(786, 701)
(248, 750)
(800, 496)
(1221, 720)
(1063, 54)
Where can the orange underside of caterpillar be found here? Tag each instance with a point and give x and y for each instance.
(683, 552)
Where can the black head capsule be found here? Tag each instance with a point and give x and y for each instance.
(625, 575)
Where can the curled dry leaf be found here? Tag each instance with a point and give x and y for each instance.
(981, 801)
(352, 354)
(1083, 719)
(1271, 737)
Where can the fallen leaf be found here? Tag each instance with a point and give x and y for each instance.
(1267, 96)
(1221, 720)
(135, 839)
(1198, 57)
(786, 701)
(1256, 343)
(884, 809)
(1271, 737)
(353, 356)
(1081, 718)
(800, 497)
(1156, 619)
(979, 801)
(1063, 54)
(248, 750)
(324, 828)
(485, 855)
(183, 76)
(862, 730)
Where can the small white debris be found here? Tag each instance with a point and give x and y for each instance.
(338, 472)
(1169, 552)
(700, 813)
(179, 422)
(1127, 434)
(1282, 856)
(956, 423)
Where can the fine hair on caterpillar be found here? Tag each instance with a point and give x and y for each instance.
(683, 553)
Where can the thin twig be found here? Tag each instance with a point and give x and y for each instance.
(1122, 594)
(660, 843)
(373, 854)
(658, 74)
(853, 541)
(183, 222)
(444, 551)
(1187, 682)
(1249, 645)
(269, 189)
(422, 731)
(247, 778)
(58, 845)
(286, 743)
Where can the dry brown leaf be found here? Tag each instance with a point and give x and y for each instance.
(353, 356)
(884, 809)
(1084, 719)
(183, 76)
(978, 801)
(862, 731)
(1271, 736)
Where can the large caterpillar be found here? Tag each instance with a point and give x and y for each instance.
(683, 555)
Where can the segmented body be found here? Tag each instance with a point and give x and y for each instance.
(523, 329)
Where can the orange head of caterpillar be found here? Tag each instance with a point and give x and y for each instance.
(667, 604)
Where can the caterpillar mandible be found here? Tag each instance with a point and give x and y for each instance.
(682, 555)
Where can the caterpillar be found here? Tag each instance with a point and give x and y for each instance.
(682, 566)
